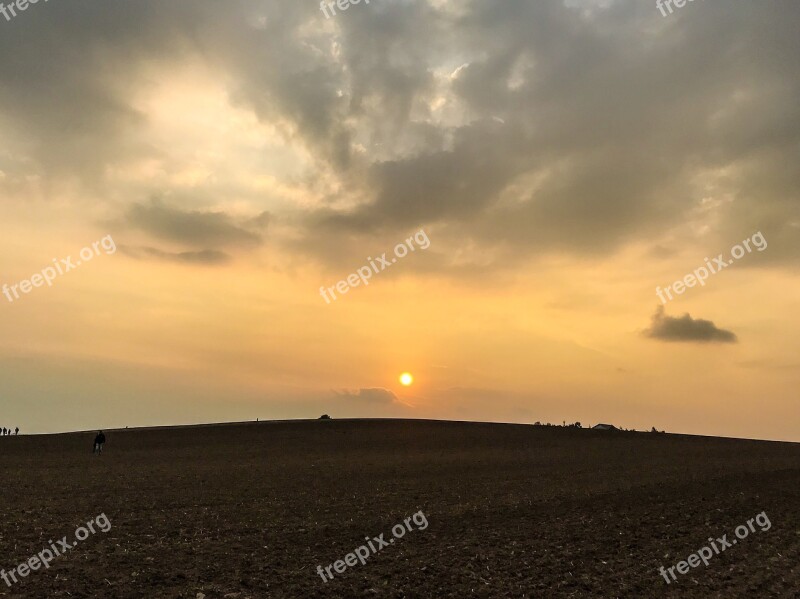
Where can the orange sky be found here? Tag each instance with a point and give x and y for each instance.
(562, 171)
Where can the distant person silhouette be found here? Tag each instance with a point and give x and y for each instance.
(16, 431)
(99, 440)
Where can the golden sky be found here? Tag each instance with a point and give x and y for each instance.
(562, 160)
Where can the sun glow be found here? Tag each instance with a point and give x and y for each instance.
(406, 379)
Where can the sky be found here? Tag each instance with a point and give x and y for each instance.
(549, 169)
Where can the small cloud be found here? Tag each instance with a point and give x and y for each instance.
(193, 227)
(207, 257)
(662, 251)
(686, 328)
(261, 221)
(374, 394)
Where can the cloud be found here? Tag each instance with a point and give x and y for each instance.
(668, 328)
(537, 125)
(374, 394)
(262, 221)
(207, 257)
(193, 227)
(568, 133)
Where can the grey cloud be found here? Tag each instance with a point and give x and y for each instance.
(194, 228)
(687, 329)
(605, 125)
(203, 257)
(65, 99)
(262, 221)
(570, 130)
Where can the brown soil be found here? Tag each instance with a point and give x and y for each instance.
(250, 511)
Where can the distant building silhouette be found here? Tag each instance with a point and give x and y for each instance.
(604, 427)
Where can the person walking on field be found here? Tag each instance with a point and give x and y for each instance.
(99, 440)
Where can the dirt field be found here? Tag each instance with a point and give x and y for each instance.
(251, 510)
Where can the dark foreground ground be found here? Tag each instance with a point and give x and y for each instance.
(250, 511)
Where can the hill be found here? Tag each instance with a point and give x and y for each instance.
(252, 509)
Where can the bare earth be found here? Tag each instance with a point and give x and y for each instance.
(250, 511)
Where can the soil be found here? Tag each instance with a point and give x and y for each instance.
(250, 510)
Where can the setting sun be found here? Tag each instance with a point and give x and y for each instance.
(406, 379)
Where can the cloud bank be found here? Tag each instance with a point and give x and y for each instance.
(520, 127)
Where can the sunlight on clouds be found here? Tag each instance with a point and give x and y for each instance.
(200, 140)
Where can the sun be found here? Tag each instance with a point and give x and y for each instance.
(406, 379)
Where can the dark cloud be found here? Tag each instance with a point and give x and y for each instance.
(262, 221)
(67, 99)
(374, 394)
(685, 328)
(586, 130)
(207, 257)
(194, 228)
(535, 125)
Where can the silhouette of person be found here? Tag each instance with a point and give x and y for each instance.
(99, 440)
(4, 431)
(16, 431)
